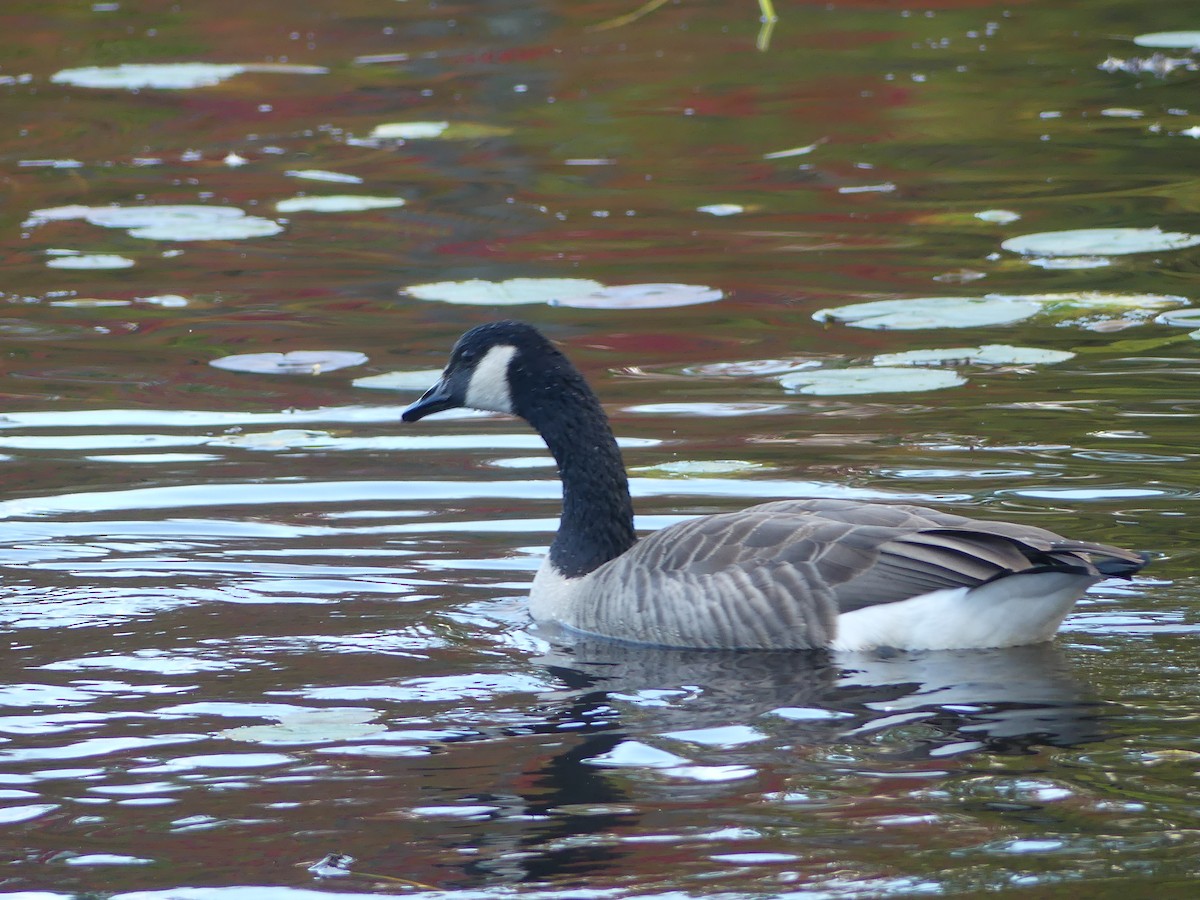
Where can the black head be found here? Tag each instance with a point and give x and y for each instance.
(479, 372)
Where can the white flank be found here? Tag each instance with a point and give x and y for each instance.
(488, 388)
(1009, 612)
(550, 595)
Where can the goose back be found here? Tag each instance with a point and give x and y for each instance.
(781, 574)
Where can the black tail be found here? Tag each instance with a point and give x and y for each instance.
(1116, 567)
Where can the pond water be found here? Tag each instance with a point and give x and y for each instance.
(265, 641)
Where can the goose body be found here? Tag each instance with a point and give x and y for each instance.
(792, 574)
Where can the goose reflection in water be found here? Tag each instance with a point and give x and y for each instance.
(658, 729)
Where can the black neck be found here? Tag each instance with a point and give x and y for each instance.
(597, 513)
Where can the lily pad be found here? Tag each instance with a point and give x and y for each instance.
(297, 362)
(447, 131)
(337, 203)
(1100, 242)
(321, 726)
(641, 296)
(272, 441)
(1170, 40)
(869, 380)
(166, 301)
(687, 468)
(1097, 300)
(514, 291)
(998, 216)
(322, 175)
(412, 380)
(1180, 318)
(985, 355)
(722, 209)
(169, 76)
(165, 223)
(90, 261)
(408, 131)
(1069, 262)
(930, 312)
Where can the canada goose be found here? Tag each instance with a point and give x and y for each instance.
(793, 574)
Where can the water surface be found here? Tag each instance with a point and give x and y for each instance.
(265, 641)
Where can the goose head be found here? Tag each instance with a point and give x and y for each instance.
(505, 367)
(478, 374)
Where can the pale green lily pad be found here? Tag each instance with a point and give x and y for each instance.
(166, 301)
(722, 209)
(1170, 40)
(707, 410)
(641, 296)
(930, 312)
(169, 76)
(321, 726)
(1100, 242)
(1180, 318)
(90, 261)
(514, 291)
(297, 362)
(90, 303)
(280, 439)
(984, 355)
(1069, 262)
(447, 131)
(686, 468)
(869, 380)
(337, 203)
(412, 380)
(408, 131)
(1097, 300)
(165, 223)
(323, 175)
(998, 216)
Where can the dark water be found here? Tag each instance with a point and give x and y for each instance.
(252, 620)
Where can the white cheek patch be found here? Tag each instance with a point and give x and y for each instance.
(488, 388)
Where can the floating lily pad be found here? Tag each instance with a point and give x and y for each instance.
(280, 439)
(165, 223)
(413, 380)
(1170, 40)
(1100, 242)
(869, 380)
(337, 203)
(985, 355)
(1180, 318)
(322, 175)
(297, 362)
(998, 216)
(686, 468)
(477, 292)
(320, 726)
(408, 131)
(722, 209)
(641, 296)
(930, 312)
(412, 131)
(89, 303)
(1069, 262)
(707, 410)
(1102, 300)
(166, 301)
(169, 76)
(90, 261)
